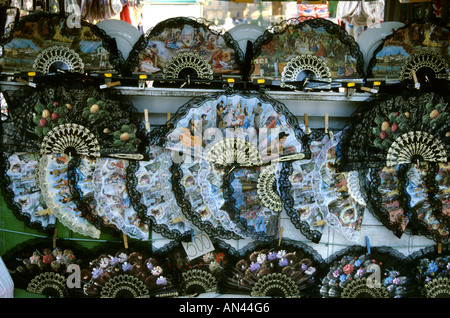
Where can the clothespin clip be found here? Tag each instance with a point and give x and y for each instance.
(31, 76)
(416, 82)
(55, 233)
(281, 235)
(231, 79)
(367, 244)
(326, 123)
(142, 79)
(305, 116)
(147, 123)
(108, 81)
(351, 89)
(374, 89)
(125, 240)
(261, 82)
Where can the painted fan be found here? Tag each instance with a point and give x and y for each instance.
(22, 193)
(203, 273)
(379, 273)
(112, 198)
(127, 274)
(431, 272)
(391, 142)
(39, 268)
(289, 269)
(306, 49)
(186, 48)
(222, 146)
(47, 44)
(417, 50)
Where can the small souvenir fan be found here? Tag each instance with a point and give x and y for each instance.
(112, 198)
(298, 183)
(431, 270)
(339, 194)
(225, 150)
(391, 143)
(186, 48)
(22, 192)
(286, 270)
(413, 53)
(47, 43)
(382, 273)
(151, 195)
(71, 118)
(204, 273)
(40, 269)
(127, 274)
(56, 190)
(306, 49)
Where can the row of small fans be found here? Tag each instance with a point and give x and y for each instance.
(288, 269)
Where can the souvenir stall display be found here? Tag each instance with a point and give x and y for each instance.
(234, 195)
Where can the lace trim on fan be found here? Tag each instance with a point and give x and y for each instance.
(55, 189)
(111, 194)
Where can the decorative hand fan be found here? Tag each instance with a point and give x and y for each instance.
(389, 140)
(127, 274)
(40, 269)
(382, 273)
(72, 118)
(56, 191)
(151, 195)
(339, 193)
(22, 193)
(416, 49)
(314, 49)
(431, 272)
(286, 270)
(45, 43)
(185, 48)
(112, 198)
(202, 274)
(219, 141)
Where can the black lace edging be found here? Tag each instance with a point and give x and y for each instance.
(108, 43)
(142, 43)
(328, 25)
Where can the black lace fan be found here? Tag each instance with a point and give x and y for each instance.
(187, 49)
(413, 54)
(127, 273)
(71, 118)
(401, 142)
(226, 150)
(39, 268)
(285, 270)
(316, 50)
(355, 272)
(49, 43)
(430, 268)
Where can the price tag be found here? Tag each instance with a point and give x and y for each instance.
(200, 245)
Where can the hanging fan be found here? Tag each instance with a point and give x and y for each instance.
(127, 274)
(203, 274)
(382, 273)
(55, 187)
(287, 270)
(306, 49)
(339, 194)
(150, 191)
(212, 141)
(44, 42)
(431, 272)
(38, 268)
(72, 118)
(415, 47)
(186, 48)
(387, 142)
(112, 198)
(20, 188)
